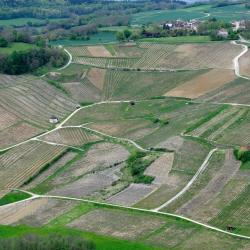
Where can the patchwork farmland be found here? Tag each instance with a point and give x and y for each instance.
(143, 151)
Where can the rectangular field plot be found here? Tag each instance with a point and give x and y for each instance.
(35, 213)
(116, 223)
(132, 194)
(201, 56)
(202, 84)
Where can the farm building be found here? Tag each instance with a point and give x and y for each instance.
(53, 119)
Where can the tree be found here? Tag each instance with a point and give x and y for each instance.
(3, 42)
(127, 34)
(120, 36)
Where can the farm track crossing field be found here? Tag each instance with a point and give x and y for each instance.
(114, 112)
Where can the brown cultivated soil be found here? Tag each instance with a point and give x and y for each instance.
(203, 84)
(97, 77)
(99, 51)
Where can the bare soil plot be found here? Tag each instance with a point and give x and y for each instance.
(97, 77)
(71, 136)
(12, 214)
(99, 157)
(17, 133)
(99, 51)
(35, 212)
(21, 163)
(118, 223)
(202, 84)
(51, 209)
(132, 194)
(244, 62)
(83, 91)
(198, 203)
(89, 184)
(173, 143)
(160, 168)
(6, 119)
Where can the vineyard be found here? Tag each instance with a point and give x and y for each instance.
(103, 62)
(213, 128)
(20, 164)
(35, 102)
(70, 136)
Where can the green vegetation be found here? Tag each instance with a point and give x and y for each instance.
(24, 61)
(208, 117)
(100, 242)
(137, 164)
(48, 242)
(179, 39)
(243, 154)
(19, 22)
(13, 196)
(16, 47)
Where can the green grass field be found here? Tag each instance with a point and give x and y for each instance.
(13, 197)
(16, 47)
(21, 21)
(179, 39)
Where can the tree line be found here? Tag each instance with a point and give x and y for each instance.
(20, 62)
(50, 242)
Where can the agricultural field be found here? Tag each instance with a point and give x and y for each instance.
(143, 150)
(153, 56)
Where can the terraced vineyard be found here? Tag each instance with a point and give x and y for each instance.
(35, 101)
(22, 163)
(144, 130)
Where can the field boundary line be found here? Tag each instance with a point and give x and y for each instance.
(190, 183)
(36, 196)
